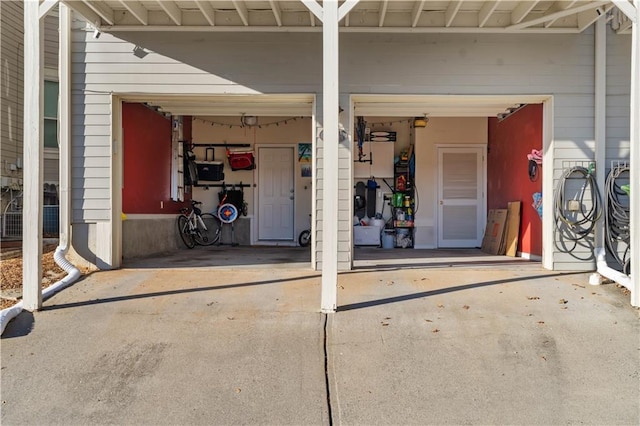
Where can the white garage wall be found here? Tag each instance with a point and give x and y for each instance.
(295, 130)
(439, 131)
(211, 63)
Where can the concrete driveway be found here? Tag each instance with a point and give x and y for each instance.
(433, 338)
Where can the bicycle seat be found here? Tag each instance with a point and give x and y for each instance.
(184, 210)
(194, 202)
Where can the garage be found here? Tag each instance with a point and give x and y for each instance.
(454, 169)
(273, 189)
(445, 63)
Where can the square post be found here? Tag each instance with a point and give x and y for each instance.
(635, 160)
(330, 120)
(33, 157)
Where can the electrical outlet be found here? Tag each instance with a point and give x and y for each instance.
(573, 205)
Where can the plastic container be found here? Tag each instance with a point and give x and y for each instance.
(401, 183)
(388, 238)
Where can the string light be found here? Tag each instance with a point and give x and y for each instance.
(260, 126)
(382, 123)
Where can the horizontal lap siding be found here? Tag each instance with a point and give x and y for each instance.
(11, 84)
(176, 64)
(211, 63)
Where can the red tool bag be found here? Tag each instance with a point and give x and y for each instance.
(241, 160)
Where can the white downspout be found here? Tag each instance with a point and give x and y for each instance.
(64, 120)
(602, 268)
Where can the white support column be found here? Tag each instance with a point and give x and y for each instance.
(600, 112)
(330, 105)
(635, 160)
(33, 157)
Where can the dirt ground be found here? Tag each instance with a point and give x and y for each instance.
(11, 273)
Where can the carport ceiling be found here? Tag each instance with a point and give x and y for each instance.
(367, 16)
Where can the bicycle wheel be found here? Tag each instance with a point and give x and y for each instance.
(211, 235)
(183, 230)
(304, 238)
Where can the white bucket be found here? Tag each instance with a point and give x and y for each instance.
(377, 222)
(388, 237)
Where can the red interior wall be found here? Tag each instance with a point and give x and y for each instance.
(507, 171)
(147, 161)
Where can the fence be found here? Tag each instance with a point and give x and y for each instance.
(12, 223)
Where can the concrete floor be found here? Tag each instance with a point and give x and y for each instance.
(232, 335)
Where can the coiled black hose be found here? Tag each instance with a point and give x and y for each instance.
(617, 222)
(576, 225)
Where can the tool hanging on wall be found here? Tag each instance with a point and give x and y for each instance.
(361, 128)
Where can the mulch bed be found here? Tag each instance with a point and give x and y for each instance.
(11, 273)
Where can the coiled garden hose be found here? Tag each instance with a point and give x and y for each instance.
(574, 225)
(617, 222)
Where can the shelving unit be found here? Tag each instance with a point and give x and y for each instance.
(403, 209)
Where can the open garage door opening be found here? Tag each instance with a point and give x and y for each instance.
(247, 162)
(433, 180)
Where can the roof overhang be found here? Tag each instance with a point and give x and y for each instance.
(389, 16)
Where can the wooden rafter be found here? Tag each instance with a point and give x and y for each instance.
(556, 15)
(522, 10)
(451, 12)
(137, 10)
(416, 12)
(104, 11)
(277, 13)
(241, 8)
(382, 13)
(171, 9)
(485, 12)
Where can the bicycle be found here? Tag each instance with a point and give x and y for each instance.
(196, 227)
(304, 239)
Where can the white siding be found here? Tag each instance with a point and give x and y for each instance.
(211, 63)
(11, 87)
(51, 39)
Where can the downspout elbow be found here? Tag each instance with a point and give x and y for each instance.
(608, 272)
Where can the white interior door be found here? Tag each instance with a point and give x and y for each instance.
(275, 193)
(461, 204)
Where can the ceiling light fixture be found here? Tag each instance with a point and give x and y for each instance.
(249, 120)
(419, 122)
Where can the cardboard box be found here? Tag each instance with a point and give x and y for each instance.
(366, 235)
(513, 228)
(494, 232)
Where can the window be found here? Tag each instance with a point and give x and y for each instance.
(50, 114)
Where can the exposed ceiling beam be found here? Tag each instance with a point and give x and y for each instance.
(559, 6)
(522, 10)
(312, 19)
(485, 12)
(416, 12)
(627, 8)
(45, 7)
(451, 12)
(588, 17)
(172, 10)
(85, 11)
(104, 11)
(314, 7)
(555, 15)
(242, 10)
(382, 12)
(277, 13)
(137, 10)
(346, 7)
